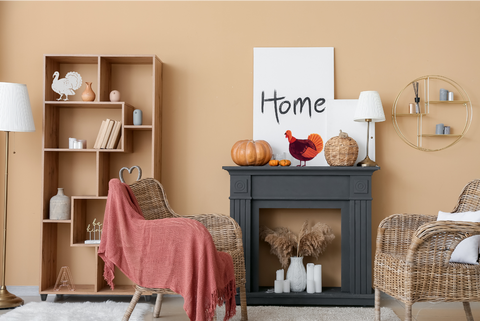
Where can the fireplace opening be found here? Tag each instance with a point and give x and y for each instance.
(293, 219)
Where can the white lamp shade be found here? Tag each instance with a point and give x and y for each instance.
(369, 107)
(15, 111)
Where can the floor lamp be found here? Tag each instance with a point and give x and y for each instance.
(369, 109)
(15, 116)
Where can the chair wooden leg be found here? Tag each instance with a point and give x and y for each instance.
(408, 312)
(158, 305)
(243, 302)
(468, 311)
(377, 304)
(132, 305)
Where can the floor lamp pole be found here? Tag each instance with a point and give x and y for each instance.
(7, 299)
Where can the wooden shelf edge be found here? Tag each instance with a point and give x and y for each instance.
(88, 197)
(139, 127)
(89, 150)
(56, 221)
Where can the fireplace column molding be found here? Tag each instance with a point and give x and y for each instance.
(346, 188)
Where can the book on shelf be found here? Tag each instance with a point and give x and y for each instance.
(115, 136)
(108, 132)
(100, 134)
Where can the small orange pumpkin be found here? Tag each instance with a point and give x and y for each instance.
(273, 162)
(251, 152)
(285, 162)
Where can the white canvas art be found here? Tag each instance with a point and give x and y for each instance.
(294, 91)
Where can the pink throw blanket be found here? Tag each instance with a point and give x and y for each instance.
(174, 253)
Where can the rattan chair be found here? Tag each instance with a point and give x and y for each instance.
(412, 260)
(225, 231)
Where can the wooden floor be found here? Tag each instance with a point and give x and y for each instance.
(172, 308)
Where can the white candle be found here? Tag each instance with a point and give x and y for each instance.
(310, 267)
(278, 286)
(317, 277)
(286, 286)
(71, 142)
(310, 286)
(280, 275)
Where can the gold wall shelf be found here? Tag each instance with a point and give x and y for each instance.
(430, 85)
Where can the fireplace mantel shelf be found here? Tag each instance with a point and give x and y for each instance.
(346, 188)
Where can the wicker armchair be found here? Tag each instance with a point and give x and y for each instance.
(225, 231)
(413, 254)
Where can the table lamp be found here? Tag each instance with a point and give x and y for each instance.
(15, 116)
(369, 109)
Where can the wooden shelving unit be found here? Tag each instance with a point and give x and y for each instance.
(85, 173)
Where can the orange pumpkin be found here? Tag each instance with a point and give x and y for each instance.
(285, 162)
(273, 162)
(251, 152)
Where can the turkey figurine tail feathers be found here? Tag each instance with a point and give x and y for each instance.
(317, 140)
(75, 79)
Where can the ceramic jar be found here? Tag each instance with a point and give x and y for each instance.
(115, 96)
(88, 94)
(297, 274)
(60, 206)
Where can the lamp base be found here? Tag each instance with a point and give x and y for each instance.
(367, 162)
(9, 300)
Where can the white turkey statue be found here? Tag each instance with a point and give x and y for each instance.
(67, 85)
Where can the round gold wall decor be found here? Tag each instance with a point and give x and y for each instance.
(441, 101)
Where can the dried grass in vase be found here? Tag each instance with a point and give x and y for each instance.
(311, 241)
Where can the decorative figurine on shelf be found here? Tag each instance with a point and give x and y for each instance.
(96, 227)
(417, 98)
(137, 117)
(88, 94)
(114, 96)
(130, 170)
(67, 85)
(64, 279)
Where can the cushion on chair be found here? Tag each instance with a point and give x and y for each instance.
(468, 249)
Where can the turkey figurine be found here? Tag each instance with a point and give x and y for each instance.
(67, 85)
(304, 149)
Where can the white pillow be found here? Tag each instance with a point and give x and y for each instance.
(468, 249)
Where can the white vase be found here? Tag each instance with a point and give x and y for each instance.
(297, 274)
(60, 206)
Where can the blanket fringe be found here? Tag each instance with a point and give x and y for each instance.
(218, 297)
(109, 275)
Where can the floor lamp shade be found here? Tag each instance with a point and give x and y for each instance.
(15, 116)
(15, 111)
(369, 109)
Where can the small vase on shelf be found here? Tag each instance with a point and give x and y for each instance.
(60, 206)
(88, 94)
(297, 274)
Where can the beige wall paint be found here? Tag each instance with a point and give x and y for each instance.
(207, 48)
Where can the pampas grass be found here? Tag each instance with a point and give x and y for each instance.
(311, 241)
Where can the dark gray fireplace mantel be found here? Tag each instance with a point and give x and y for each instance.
(346, 188)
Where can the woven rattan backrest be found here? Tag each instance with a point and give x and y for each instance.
(151, 198)
(469, 199)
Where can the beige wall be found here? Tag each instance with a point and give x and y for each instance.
(207, 48)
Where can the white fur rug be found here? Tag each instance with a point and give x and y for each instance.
(113, 311)
(87, 311)
(274, 313)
